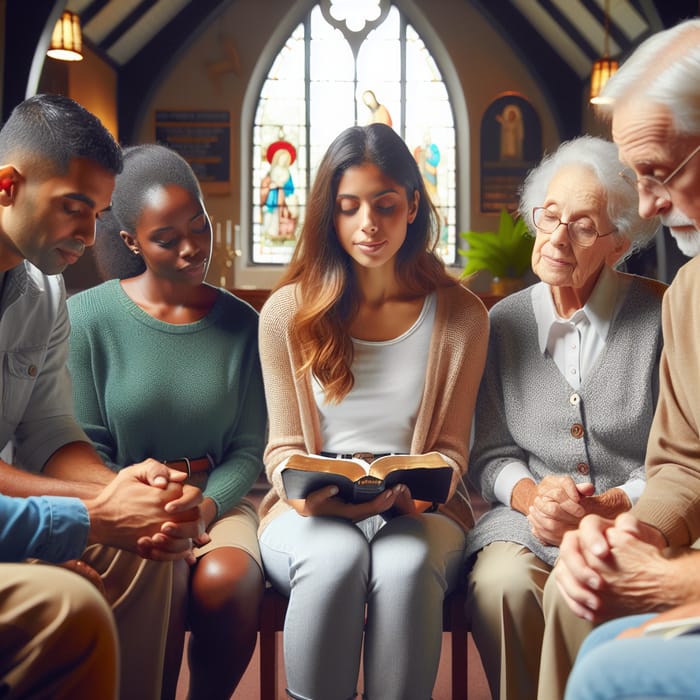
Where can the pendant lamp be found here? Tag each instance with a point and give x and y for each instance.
(67, 38)
(604, 68)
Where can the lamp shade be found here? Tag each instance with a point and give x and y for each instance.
(603, 70)
(67, 38)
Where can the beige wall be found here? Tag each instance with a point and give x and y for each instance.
(487, 67)
(244, 29)
(93, 83)
(484, 66)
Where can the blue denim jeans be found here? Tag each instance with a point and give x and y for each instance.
(334, 573)
(635, 669)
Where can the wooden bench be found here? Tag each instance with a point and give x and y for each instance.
(274, 608)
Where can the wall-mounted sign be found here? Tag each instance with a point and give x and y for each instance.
(203, 139)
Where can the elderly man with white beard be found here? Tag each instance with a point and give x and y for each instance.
(642, 561)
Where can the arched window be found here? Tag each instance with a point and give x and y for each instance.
(348, 62)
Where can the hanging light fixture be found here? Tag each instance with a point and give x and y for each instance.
(604, 68)
(67, 38)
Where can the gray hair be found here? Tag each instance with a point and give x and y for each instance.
(664, 69)
(599, 156)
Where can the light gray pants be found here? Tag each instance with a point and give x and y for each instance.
(330, 569)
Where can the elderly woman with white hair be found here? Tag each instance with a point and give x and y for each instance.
(564, 409)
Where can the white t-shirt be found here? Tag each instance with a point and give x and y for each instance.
(378, 414)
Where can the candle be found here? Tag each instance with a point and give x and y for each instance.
(229, 239)
(218, 233)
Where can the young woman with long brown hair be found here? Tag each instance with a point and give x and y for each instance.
(367, 345)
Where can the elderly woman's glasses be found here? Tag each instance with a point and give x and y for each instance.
(581, 231)
(649, 185)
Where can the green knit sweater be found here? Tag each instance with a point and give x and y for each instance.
(145, 388)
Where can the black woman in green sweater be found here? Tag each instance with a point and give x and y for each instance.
(166, 366)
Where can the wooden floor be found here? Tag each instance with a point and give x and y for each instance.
(248, 688)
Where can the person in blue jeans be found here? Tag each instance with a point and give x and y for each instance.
(623, 659)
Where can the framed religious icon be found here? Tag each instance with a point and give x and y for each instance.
(511, 144)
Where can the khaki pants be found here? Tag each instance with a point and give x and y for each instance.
(526, 634)
(57, 636)
(139, 592)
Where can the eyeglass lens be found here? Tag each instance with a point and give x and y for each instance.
(649, 185)
(580, 231)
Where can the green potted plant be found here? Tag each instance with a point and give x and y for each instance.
(505, 253)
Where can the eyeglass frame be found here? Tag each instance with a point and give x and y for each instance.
(567, 224)
(636, 180)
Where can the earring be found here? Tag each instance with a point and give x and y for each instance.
(6, 185)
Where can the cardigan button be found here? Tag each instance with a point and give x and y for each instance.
(577, 430)
(582, 468)
(574, 399)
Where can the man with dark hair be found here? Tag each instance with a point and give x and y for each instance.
(55, 130)
(57, 169)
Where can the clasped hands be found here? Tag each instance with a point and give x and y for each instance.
(609, 568)
(557, 504)
(609, 563)
(147, 508)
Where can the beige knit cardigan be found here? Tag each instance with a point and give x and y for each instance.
(455, 364)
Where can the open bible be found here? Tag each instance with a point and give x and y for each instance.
(427, 476)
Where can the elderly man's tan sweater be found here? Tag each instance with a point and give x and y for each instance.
(671, 498)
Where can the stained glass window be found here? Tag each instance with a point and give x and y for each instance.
(349, 62)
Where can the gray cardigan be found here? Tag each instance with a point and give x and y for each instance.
(527, 411)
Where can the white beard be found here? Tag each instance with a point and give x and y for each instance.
(688, 243)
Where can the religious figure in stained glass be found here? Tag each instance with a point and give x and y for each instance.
(347, 62)
(280, 204)
(428, 158)
(378, 113)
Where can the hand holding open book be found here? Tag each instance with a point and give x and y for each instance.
(427, 476)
